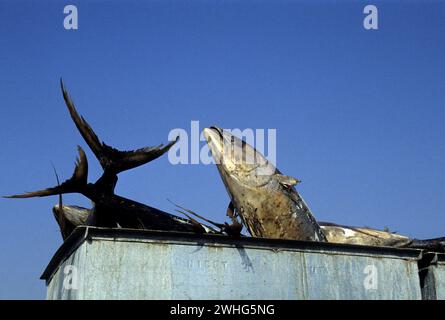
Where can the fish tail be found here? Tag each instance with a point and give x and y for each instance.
(76, 184)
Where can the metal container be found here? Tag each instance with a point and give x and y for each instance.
(98, 263)
(432, 276)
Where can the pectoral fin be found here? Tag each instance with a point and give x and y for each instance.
(286, 181)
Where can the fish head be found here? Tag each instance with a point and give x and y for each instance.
(238, 162)
(266, 200)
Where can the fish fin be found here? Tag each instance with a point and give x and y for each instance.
(235, 227)
(231, 211)
(59, 213)
(196, 224)
(141, 224)
(286, 181)
(111, 159)
(76, 184)
(219, 225)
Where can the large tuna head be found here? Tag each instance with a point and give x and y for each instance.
(238, 161)
(265, 199)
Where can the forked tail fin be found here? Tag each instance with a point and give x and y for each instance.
(112, 160)
(76, 184)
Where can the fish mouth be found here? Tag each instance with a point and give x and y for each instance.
(215, 141)
(216, 129)
(213, 134)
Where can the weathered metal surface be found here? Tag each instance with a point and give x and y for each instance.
(433, 276)
(439, 277)
(97, 263)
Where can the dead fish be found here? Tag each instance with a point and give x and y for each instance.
(372, 237)
(270, 206)
(265, 199)
(363, 236)
(110, 210)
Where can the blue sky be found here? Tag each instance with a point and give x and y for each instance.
(359, 114)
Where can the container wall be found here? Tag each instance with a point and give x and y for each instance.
(439, 280)
(141, 269)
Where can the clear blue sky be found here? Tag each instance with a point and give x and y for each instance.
(359, 114)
